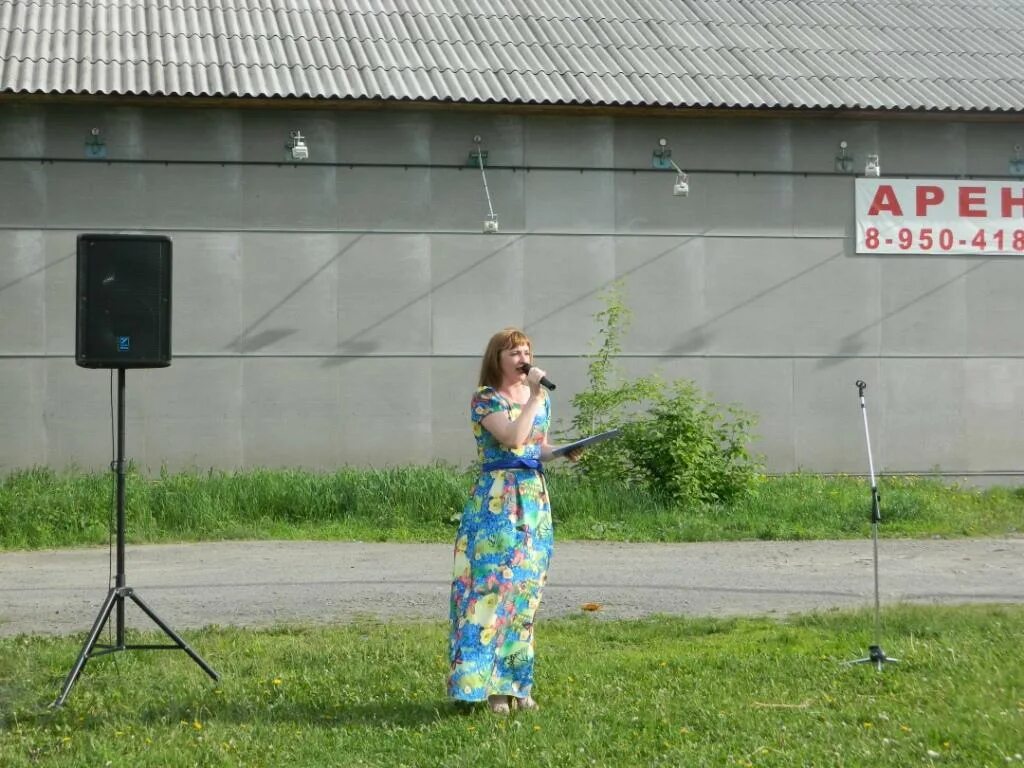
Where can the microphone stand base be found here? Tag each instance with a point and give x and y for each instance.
(875, 656)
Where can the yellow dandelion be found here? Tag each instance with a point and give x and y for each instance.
(277, 681)
(197, 725)
(536, 727)
(905, 728)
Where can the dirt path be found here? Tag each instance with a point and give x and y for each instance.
(258, 583)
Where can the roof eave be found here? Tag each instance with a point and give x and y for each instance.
(528, 107)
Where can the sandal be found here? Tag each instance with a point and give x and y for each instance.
(498, 704)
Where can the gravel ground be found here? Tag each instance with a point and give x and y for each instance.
(259, 583)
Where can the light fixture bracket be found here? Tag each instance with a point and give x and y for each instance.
(661, 156)
(844, 161)
(477, 158)
(95, 148)
(1017, 162)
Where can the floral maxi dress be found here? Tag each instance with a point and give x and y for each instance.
(502, 551)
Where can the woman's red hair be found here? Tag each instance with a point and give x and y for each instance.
(490, 366)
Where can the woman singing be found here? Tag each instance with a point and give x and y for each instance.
(505, 538)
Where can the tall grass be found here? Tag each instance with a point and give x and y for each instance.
(41, 508)
(655, 692)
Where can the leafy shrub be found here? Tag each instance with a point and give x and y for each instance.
(675, 440)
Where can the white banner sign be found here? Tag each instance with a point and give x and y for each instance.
(940, 216)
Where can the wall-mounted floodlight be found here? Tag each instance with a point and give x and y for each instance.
(1017, 162)
(661, 158)
(682, 186)
(478, 157)
(297, 146)
(873, 169)
(95, 149)
(844, 161)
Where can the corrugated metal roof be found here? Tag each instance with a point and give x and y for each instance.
(870, 54)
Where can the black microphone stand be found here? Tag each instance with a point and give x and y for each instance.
(875, 655)
(117, 594)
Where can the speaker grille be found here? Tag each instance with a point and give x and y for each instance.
(124, 301)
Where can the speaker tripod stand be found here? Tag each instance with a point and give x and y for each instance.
(117, 595)
(875, 655)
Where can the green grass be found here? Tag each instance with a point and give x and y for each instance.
(660, 691)
(41, 508)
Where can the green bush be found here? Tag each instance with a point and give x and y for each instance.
(675, 440)
(690, 448)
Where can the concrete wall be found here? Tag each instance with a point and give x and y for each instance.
(334, 314)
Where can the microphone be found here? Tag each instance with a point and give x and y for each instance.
(544, 380)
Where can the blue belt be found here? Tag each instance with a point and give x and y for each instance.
(516, 463)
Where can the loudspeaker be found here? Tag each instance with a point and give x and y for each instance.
(124, 301)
